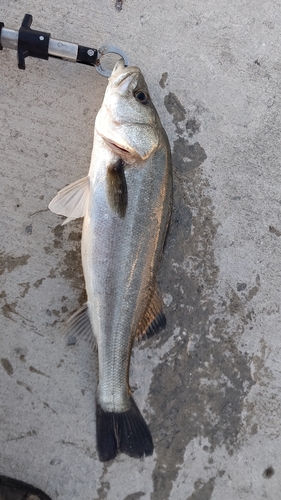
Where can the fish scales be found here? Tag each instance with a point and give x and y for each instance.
(119, 267)
(126, 203)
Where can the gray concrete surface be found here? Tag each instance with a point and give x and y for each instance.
(209, 386)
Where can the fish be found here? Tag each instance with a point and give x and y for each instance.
(126, 202)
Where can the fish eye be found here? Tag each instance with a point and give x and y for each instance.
(141, 97)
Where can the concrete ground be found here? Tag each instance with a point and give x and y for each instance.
(209, 386)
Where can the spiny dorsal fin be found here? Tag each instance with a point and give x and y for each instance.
(78, 326)
(117, 188)
(72, 200)
(153, 320)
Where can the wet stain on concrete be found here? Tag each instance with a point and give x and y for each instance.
(24, 289)
(174, 107)
(23, 436)
(9, 263)
(275, 231)
(34, 370)
(199, 387)
(269, 472)
(70, 266)
(72, 270)
(28, 388)
(48, 250)
(241, 286)
(135, 496)
(203, 492)
(7, 365)
(28, 229)
(163, 80)
(118, 5)
(38, 282)
(75, 236)
(58, 232)
(9, 309)
(103, 489)
(187, 156)
(22, 384)
(192, 127)
(46, 405)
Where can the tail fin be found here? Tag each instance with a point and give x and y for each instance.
(124, 432)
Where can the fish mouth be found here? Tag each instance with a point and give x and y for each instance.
(121, 79)
(121, 72)
(118, 149)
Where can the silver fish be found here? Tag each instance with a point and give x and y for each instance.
(126, 203)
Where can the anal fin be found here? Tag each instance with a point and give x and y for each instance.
(78, 326)
(72, 200)
(154, 319)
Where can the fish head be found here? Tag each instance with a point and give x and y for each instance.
(128, 120)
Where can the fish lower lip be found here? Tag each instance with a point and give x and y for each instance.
(116, 146)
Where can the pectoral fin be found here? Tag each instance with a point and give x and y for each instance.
(72, 200)
(117, 188)
(153, 320)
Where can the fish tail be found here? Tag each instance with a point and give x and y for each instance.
(125, 432)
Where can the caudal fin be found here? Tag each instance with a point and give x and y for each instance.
(124, 432)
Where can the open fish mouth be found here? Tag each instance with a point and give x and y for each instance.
(122, 79)
(118, 149)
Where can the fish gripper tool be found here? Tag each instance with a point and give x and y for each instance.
(39, 44)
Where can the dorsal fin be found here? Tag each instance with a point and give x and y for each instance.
(117, 188)
(72, 200)
(153, 320)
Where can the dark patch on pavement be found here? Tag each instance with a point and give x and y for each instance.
(203, 492)
(199, 387)
(103, 489)
(38, 282)
(192, 127)
(119, 5)
(269, 472)
(163, 80)
(241, 286)
(71, 266)
(28, 229)
(58, 232)
(75, 236)
(135, 496)
(22, 384)
(10, 263)
(8, 309)
(25, 287)
(34, 370)
(187, 156)
(174, 107)
(72, 270)
(7, 365)
(275, 231)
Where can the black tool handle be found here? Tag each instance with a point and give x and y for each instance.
(1, 26)
(31, 42)
(34, 43)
